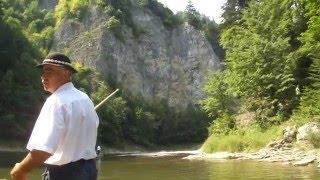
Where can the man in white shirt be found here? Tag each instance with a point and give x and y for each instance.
(65, 133)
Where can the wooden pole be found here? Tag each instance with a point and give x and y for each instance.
(105, 99)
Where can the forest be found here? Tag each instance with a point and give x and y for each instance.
(271, 70)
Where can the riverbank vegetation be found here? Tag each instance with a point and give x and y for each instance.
(271, 69)
(25, 34)
(245, 139)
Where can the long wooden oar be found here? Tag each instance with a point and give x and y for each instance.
(105, 99)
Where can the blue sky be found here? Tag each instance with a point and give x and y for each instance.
(210, 8)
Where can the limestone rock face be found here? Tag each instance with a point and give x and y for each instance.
(289, 134)
(160, 63)
(288, 137)
(48, 4)
(305, 130)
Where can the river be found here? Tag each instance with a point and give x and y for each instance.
(159, 166)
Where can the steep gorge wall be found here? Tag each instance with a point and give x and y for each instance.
(161, 63)
(48, 4)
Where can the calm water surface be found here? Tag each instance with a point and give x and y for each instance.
(116, 167)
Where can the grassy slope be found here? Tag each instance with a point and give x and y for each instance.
(246, 139)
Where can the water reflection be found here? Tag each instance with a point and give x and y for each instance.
(10, 158)
(116, 167)
(235, 169)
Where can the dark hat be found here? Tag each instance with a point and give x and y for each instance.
(58, 59)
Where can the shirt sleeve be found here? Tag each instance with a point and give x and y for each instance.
(49, 128)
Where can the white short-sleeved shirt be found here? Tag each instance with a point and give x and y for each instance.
(66, 127)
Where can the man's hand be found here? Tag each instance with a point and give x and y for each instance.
(34, 159)
(17, 173)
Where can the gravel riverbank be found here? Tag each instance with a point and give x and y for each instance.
(289, 149)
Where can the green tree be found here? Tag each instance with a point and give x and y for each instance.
(78, 8)
(309, 106)
(74, 9)
(193, 16)
(219, 104)
(232, 12)
(212, 32)
(144, 126)
(259, 57)
(219, 98)
(113, 23)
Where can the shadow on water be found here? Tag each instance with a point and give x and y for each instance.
(157, 166)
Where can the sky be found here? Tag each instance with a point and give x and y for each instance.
(210, 8)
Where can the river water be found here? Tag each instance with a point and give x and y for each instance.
(173, 167)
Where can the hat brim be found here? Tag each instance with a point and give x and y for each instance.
(72, 69)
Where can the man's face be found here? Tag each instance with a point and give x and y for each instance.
(52, 77)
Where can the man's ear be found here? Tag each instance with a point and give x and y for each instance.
(69, 75)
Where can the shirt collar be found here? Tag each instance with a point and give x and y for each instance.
(63, 87)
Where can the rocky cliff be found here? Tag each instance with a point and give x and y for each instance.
(48, 4)
(161, 63)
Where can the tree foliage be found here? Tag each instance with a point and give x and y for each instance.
(309, 106)
(20, 92)
(193, 16)
(74, 9)
(220, 100)
(260, 63)
(264, 51)
(204, 24)
(232, 12)
(219, 104)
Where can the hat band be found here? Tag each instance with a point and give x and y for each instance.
(56, 62)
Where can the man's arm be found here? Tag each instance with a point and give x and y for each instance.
(34, 159)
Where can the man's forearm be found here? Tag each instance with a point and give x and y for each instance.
(34, 159)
